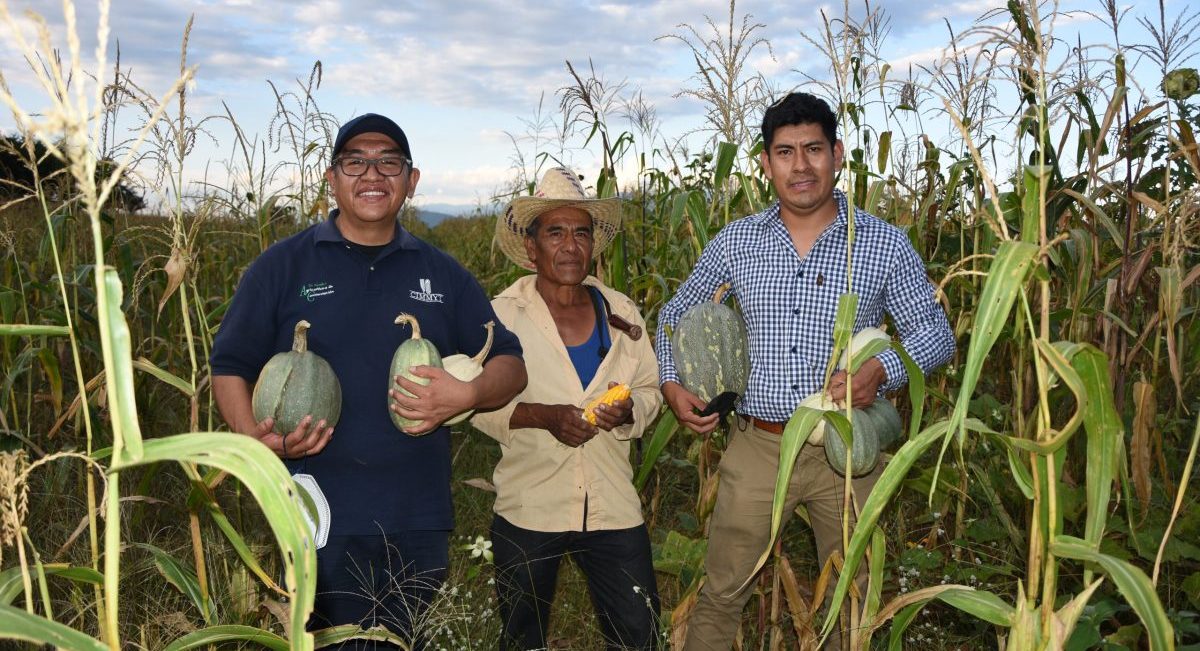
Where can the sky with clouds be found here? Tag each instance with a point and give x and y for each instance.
(460, 77)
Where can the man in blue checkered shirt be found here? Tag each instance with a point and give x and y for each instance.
(788, 268)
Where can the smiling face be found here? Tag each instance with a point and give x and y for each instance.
(802, 164)
(368, 204)
(561, 247)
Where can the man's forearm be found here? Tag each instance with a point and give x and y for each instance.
(502, 379)
(234, 397)
(527, 416)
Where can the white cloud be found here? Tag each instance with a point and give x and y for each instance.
(469, 185)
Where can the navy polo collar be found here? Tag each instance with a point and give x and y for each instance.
(327, 231)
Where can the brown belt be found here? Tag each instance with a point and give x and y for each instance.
(765, 425)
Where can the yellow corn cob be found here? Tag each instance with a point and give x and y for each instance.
(613, 395)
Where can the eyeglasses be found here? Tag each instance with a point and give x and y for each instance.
(387, 166)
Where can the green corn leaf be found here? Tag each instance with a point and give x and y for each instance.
(147, 366)
(1098, 214)
(11, 582)
(1020, 473)
(756, 196)
(1068, 616)
(697, 212)
(24, 330)
(843, 329)
(726, 153)
(885, 488)
(900, 624)
(677, 209)
(180, 576)
(982, 604)
(228, 633)
(240, 547)
(1005, 279)
(118, 363)
(868, 350)
(885, 150)
(269, 482)
(618, 267)
(916, 388)
(49, 363)
(338, 634)
(795, 434)
(667, 426)
(874, 597)
(1031, 203)
(16, 624)
(1104, 429)
(1133, 584)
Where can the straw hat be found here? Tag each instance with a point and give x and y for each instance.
(558, 188)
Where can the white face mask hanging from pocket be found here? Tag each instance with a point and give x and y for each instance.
(315, 508)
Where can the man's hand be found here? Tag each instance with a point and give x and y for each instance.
(433, 404)
(234, 399)
(303, 442)
(564, 422)
(870, 376)
(609, 417)
(685, 404)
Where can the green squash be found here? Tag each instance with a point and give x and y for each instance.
(295, 384)
(865, 452)
(886, 420)
(711, 349)
(413, 352)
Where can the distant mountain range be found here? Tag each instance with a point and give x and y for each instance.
(435, 213)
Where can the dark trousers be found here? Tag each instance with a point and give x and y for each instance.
(620, 578)
(387, 580)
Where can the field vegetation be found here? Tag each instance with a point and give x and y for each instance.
(1042, 498)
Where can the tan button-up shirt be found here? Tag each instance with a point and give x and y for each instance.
(542, 484)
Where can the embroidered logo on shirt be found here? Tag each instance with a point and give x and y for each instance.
(313, 291)
(426, 294)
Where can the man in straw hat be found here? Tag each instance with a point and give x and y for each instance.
(349, 276)
(788, 269)
(563, 485)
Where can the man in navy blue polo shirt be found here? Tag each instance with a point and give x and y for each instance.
(349, 276)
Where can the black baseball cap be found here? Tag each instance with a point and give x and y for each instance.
(371, 123)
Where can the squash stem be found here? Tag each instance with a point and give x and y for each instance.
(487, 345)
(411, 320)
(300, 336)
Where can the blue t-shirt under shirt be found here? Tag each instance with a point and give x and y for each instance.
(586, 357)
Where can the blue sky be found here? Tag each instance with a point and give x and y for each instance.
(463, 78)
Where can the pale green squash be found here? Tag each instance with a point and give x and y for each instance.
(413, 352)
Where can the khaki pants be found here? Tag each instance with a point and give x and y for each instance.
(741, 527)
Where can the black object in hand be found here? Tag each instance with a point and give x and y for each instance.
(722, 405)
